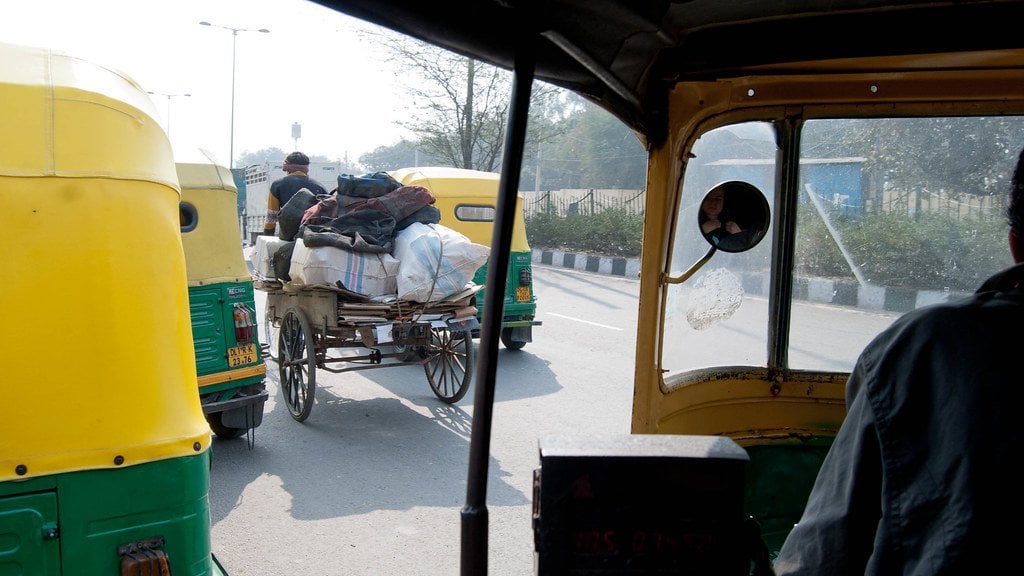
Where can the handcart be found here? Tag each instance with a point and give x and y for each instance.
(339, 331)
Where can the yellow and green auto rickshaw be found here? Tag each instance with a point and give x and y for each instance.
(221, 299)
(467, 201)
(104, 451)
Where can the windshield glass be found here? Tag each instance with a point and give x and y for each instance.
(892, 214)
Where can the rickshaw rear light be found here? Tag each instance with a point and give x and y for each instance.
(525, 276)
(245, 324)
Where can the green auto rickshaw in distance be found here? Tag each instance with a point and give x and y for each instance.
(104, 450)
(467, 200)
(222, 302)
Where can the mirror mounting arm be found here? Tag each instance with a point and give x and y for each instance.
(666, 279)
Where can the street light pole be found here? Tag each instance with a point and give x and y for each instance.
(169, 96)
(234, 46)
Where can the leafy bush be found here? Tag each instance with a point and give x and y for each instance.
(613, 232)
(934, 251)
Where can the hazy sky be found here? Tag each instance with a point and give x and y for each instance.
(312, 68)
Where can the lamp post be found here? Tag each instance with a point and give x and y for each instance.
(169, 96)
(234, 46)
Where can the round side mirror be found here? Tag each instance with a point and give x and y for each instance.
(733, 216)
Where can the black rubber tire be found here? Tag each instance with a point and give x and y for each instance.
(449, 365)
(222, 431)
(296, 364)
(506, 339)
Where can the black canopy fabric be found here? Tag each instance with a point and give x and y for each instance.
(626, 54)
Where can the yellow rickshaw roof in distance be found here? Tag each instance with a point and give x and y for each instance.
(198, 170)
(450, 182)
(454, 186)
(78, 103)
(213, 248)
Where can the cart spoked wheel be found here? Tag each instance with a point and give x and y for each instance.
(449, 364)
(296, 364)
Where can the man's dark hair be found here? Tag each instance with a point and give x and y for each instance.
(1015, 208)
(297, 158)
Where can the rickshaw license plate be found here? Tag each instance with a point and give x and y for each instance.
(245, 354)
(522, 293)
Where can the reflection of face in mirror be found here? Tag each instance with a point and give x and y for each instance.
(734, 216)
(713, 222)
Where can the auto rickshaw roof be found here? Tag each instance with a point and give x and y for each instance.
(450, 182)
(199, 170)
(625, 55)
(79, 104)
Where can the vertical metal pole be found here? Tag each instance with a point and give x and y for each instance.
(231, 149)
(474, 513)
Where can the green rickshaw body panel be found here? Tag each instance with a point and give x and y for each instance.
(520, 301)
(222, 304)
(212, 310)
(73, 524)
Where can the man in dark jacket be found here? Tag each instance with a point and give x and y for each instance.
(919, 480)
(281, 191)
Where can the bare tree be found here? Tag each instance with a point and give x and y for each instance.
(460, 104)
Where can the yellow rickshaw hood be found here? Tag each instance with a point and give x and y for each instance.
(100, 369)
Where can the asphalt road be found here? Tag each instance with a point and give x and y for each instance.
(374, 481)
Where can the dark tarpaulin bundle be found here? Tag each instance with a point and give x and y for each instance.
(399, 203)
(368, 185)
(361, 231)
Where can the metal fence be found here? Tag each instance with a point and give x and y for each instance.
(955, 206)
(592, 201)
(568, 202)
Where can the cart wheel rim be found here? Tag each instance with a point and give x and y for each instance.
(296, 364)
(449, 364)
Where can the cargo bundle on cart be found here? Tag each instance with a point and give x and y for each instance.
(366, 277)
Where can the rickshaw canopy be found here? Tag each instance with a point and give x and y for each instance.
(210, 222)
(99, 358)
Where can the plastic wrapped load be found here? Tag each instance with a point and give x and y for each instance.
(435, 262)
(368, 273)
(262, 254)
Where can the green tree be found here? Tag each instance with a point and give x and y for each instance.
(590, 148)
(275, 154)
(402, 154)
(921, 153)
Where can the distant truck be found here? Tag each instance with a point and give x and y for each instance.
(259, 177)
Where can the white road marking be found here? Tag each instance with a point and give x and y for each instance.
(585, 321)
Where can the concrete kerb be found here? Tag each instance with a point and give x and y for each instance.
(820, 290)
(610, 265)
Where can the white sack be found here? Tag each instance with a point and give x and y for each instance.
(435, 262)
(262, 253)
(372, 274)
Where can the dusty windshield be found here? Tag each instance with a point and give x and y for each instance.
(892, 214)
